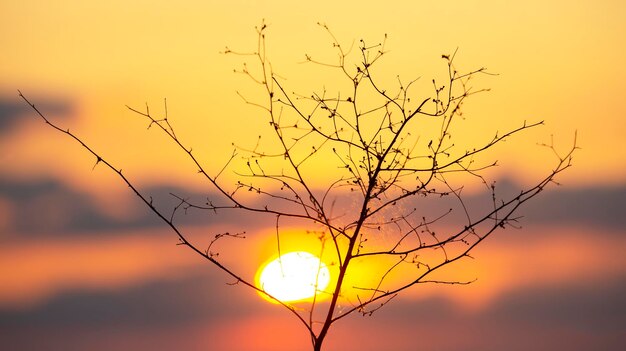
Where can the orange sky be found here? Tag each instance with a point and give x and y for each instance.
(82, 62)
(556, 62)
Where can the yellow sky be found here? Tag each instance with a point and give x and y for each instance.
(558, 61)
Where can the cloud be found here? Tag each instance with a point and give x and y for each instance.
(589, 305)
(13, 108)
(572, 313)
(599, 207)
(166, 302)
(50, 207)
(160, 313)
(573, 316)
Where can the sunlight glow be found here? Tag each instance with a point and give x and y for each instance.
(294, 276)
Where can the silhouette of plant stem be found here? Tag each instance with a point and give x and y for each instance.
(378, 141)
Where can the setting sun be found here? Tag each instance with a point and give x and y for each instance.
(294, 276)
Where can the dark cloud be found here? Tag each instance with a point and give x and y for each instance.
(599, 207)
(193, 298)
(50, 207)
(588, 305)
(572, 316)
(160, 315)
(13, 109)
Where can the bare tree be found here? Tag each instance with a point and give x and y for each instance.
(379, 144)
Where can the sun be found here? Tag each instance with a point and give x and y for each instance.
(294, 276)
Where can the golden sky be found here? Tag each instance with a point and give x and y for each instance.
(82, 62)
(557, 61)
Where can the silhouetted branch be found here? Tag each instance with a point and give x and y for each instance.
(382, 156)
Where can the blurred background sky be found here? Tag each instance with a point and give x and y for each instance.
(84, 266)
